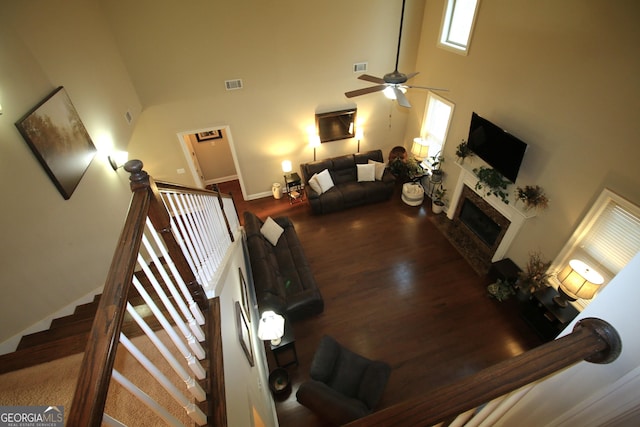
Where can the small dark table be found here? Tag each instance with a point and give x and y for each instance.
(287, 344)
(294, 187)
(545, 316)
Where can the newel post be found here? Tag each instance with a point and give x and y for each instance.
(159, 216)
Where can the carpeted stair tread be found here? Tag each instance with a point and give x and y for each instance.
(42, 353)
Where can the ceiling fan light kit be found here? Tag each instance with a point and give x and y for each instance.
(392, 84)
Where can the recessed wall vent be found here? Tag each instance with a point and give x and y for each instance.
(360, 67)
(233, 84)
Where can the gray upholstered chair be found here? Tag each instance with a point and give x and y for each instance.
(344, 386)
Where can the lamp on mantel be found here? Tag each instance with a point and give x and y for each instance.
(577, 280)
(420, 148)
(271, 327)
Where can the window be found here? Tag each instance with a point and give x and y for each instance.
(457, 25)
(606, 239)
(435, 125)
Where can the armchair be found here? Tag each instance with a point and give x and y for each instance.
(344, 386)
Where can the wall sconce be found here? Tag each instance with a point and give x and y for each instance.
(359, 136)
(420, 148)
(117, 159)
(314, 141)
(577, 280)
(271, 327)
(0, 109)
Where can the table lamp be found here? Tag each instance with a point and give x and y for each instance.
(286, 167)
(271, 327)
(577, 280)
(420, 148)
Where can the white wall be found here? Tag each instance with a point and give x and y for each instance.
(549, 402)
(55, 251)
(246, 387)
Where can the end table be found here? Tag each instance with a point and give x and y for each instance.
(287, 344)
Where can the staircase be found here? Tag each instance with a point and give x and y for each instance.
(68, 335)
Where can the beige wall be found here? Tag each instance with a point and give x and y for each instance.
(563, 77)
(293, 58)
(56, 251)
(214, 157)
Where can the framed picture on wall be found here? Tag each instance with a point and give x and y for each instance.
(208, 135)
(245, 295)
(54, 132)
(244, 334)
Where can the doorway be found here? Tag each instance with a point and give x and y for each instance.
(211, 156)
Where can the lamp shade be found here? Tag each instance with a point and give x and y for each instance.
(420, 148)
(314, 140)
(286, 166)
(271, 327)
(578, 280)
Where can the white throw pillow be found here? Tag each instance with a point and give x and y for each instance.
(325, 181)
(271, 231)
(366, 172)
(314, 184)
(379, 169)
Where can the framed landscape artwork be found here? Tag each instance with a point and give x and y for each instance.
(207, 135)
(54, 132)
(244, 334)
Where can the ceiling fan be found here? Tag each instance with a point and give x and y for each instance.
(393, 82)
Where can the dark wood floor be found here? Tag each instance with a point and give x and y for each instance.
(395, 290)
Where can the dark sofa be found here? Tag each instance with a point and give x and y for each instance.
(347, 192)
(282, 277)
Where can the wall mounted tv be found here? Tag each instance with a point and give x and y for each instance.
(336, 125)
(501, 150)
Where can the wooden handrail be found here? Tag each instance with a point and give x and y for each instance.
(95, 372)
(90, 396)
(593, 340)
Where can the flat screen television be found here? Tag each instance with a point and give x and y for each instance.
(336, 125)
(501, 150)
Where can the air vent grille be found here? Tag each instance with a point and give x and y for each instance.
(233, 84)
(360, 67)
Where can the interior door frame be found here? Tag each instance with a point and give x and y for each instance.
(192, 167)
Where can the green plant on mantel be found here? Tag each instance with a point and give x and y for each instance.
(493, 183)
(463, 151)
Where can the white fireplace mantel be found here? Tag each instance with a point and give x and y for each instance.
(516, 216)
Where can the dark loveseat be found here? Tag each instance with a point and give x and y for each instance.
(347, 192)
(281, 274)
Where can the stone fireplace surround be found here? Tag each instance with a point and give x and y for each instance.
(507, 216)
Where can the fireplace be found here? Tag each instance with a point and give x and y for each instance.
(481, 221)
(488, 223)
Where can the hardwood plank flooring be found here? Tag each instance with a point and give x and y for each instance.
(396, 290)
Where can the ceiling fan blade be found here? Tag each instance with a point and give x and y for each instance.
(402, 100)
(364, 91)
(412, 74)
(372, 79)
(428, 88)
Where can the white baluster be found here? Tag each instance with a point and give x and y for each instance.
(195, 310)
(146, 399)
(170, 308)
(193, 364)
(193, 387)
(162, 379)
(195, 328)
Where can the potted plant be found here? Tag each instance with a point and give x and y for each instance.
(436, 163)
(437, 199)
(533, 197)
(492, 182)
(500, 290)
(463, 151)
(534, 276)
(405, 169)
